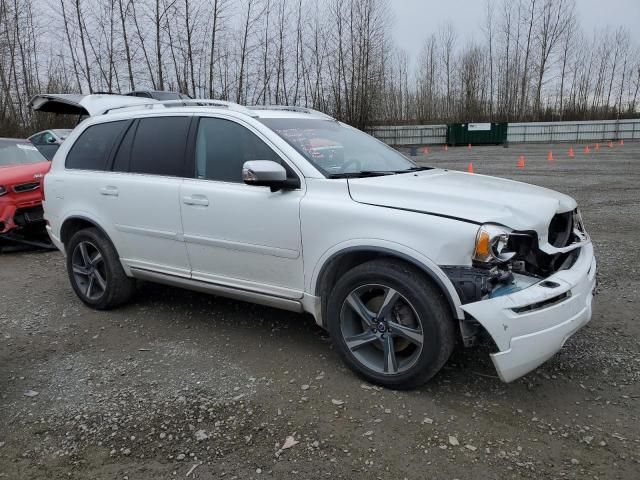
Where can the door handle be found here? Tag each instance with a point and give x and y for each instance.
(196, 199)
(109, 191)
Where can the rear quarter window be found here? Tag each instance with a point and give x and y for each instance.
(92, 148)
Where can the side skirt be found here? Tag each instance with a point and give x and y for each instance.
(216, 289)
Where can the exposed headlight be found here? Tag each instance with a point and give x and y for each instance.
(2, 190)
(491, 244)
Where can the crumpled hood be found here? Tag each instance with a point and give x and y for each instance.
(472, 197)
(22, 173)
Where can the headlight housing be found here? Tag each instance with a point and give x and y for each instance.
(578, 223)
(492, 244)
(2, 190)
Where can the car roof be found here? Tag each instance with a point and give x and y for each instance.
(96, 105)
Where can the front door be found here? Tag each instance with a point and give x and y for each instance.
(237, 235)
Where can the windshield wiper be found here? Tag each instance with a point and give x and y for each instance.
(413, 169)
(362, 174)
(376, 173)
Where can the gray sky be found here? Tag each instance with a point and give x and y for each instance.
(416, 19)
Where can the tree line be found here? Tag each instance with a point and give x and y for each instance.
(531, 61)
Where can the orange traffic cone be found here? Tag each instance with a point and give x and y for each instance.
(469, 146)
(586, 149)
(425, 150)
(521, 161)
(571, 155)
(610, 144)
(621, 142)
(470, 168)
(597, 147)
(446, 147)
(550, 156)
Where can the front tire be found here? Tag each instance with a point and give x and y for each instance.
(390, 324)
(95, 271)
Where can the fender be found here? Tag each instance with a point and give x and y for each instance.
(109, 233)
(398, 250)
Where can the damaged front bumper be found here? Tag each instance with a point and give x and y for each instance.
(14, 216)
(530, 325)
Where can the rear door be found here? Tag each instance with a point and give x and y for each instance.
(141, 194)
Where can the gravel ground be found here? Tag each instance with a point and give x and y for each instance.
(184, 385)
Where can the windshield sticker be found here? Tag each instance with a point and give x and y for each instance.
(24, 146)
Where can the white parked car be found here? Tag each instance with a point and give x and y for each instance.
(287, 207)
(48, 141)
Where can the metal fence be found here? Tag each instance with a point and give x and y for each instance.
(542, 132)
(549, 132)
(410, 134)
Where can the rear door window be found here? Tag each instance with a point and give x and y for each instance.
(93, 147)
(159, 146)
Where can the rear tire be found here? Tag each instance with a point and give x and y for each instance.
(95, 271)
(390, 324)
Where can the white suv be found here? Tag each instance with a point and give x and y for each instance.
(290, 208)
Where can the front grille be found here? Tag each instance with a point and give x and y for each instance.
(561, 229)
(26, 187)
(25, 216)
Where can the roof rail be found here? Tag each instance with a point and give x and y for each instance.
(186, 103)
(291, 108)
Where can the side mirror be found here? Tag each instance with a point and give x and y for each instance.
(266, 173)
(52, 141)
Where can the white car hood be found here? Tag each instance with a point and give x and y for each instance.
(465, 196)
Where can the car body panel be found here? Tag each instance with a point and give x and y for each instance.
(477, 198)
(332, 222)
(527, 339)
(76, 104)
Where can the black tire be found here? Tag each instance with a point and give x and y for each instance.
(428, 310)
(118, 287)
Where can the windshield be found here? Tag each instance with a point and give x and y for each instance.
(14, 152)
(338, 150)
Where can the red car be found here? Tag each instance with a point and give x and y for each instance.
(22, 168)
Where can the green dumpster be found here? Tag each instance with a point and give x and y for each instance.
(476, 133)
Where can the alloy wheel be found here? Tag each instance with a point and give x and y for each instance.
(381, 329)
(89, 270)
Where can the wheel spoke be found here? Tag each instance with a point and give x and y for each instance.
(411, 334)
(363, 312)
(85, 254)
(80, 270)
(96, 259)
(357, 341)
(390, 299)
(89, 286)
(101, 281)
(390, 363)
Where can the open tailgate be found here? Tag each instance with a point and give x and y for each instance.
(76, 104)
